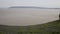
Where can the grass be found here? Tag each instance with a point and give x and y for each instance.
(47, 28)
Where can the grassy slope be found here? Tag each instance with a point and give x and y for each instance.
(47, 28)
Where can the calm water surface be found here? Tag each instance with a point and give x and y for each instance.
(27, 16)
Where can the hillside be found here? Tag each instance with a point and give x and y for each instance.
(47, 28)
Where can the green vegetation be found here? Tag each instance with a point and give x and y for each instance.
(47, 28)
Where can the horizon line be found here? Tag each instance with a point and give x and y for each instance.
(31, 7)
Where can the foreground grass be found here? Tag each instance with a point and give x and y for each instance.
(47, 28)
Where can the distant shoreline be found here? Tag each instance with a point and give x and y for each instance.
(32, 7)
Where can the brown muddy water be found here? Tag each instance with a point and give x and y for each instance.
(27, 16)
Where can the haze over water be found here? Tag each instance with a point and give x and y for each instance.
(27, 16)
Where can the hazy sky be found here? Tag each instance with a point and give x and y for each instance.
(40, 3)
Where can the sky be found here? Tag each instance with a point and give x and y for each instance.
(39, 3)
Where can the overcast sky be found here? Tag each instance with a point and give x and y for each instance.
(40, 3)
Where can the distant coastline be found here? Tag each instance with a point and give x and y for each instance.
(31, 7)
